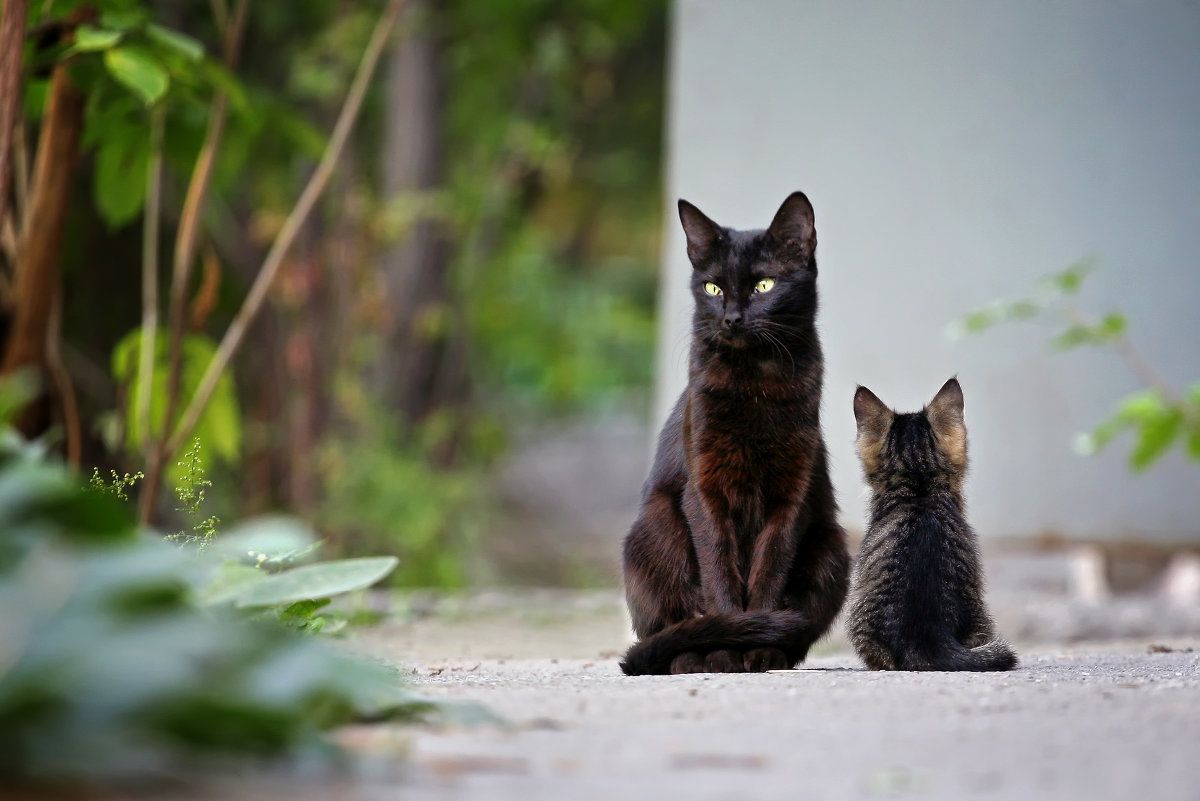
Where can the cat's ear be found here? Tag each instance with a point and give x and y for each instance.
(874, 419)
(945, 413)
(794, 227)
(702, 233)
(870, 413)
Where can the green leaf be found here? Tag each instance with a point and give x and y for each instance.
(1073, 337)
(123, 19)
(1142, 406)
(1155, 436)
(119, 185)
(184, 45)
(1110, 327)
(89, 39)
(229, 582)
(1193, 444)
(17, 389)
(991, 315)
(303, 615)
(272, 537)
(1192, 398)
(138, 71)
(221, 78)
(1193, 394)
(305, 609)
(318, 581)
(1113, 325)
(1071, 279)
(219, 427)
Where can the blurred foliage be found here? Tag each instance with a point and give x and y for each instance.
(108, 670)
(221, 423)
(1159, 416)
(256, 569)
(552, 128)
(552, 340)
(382, 495)
(255, 566)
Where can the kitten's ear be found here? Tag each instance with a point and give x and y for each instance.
(870, 413)
(945, 413)
(702, 233)
(874, 419)
(794, 227)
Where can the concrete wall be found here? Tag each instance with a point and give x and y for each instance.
(956, 152)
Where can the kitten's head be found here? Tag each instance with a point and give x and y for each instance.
(918, 448)
(753, 288)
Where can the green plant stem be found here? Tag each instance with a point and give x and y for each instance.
(185, 253)
(291, 227)
(1136, 363)
(150, 276)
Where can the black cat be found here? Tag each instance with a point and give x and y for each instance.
(736, 561)
(917, 602)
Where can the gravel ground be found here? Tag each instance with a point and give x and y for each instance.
(1102, 723)
(1093, 719)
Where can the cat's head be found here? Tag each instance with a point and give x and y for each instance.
(753, 288)
(917, 447)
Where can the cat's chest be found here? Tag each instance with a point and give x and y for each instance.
(748, 439)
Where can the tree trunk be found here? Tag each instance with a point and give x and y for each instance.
(419, 353)
(37, 270)
(12, 40)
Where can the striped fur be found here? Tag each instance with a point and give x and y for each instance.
(916, 601)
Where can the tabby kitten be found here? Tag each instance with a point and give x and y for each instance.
(917, 597)
(736, 561)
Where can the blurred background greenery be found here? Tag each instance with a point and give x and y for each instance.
(480, 268)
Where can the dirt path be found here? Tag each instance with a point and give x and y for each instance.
(1117, 725)
(1094, 720)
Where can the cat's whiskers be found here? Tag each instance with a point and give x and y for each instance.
(777, 346)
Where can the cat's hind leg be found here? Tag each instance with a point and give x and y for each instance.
(662, 578)
(820, 578)
(875, 654)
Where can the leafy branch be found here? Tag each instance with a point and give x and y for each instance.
(173, 434)
(1160, 415)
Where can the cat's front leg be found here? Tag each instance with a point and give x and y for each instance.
(774, 552)
(716, 555)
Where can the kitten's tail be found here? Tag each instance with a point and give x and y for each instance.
(953, 655)
(790, 631)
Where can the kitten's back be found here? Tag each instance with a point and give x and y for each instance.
(917, 590)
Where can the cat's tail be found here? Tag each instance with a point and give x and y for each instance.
(790, 631)
(953, 655)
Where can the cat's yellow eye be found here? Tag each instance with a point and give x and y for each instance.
(712, 288)
(764, 285)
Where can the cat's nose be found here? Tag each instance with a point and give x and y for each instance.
(733, 319)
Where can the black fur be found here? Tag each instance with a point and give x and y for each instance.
(736, 561)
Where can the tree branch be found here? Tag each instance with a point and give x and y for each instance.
(190, 217)
(12, 45)
(62, 383)
(287, 235)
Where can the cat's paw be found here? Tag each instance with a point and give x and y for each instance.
(687, 662)
(760, 660)
(724, 662)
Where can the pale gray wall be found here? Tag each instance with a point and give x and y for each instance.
(956, 152)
